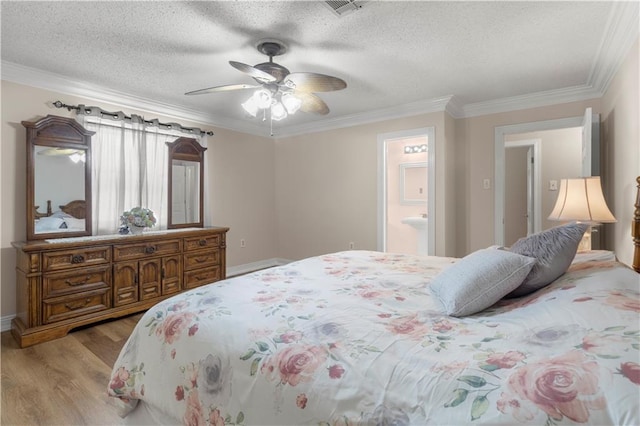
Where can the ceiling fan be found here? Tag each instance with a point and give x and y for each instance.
(278, 90)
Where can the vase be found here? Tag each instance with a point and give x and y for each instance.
(136, 230)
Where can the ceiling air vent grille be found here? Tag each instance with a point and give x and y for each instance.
(342, 7)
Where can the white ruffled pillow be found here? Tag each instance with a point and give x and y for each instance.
(479, 280)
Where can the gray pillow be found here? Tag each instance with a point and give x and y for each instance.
(554, 250)
(479, 280)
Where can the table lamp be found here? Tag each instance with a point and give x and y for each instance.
(581, 200)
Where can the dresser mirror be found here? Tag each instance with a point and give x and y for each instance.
(58, 178)
(186, 183)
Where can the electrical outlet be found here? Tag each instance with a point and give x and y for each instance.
(243, 243)
(351, 245)
(486, 184)
(553, 185)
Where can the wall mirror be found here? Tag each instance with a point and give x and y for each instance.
(58, 178)
(413, 181)
(186, 183)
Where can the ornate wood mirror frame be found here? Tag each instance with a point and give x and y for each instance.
(186, 184)
(58, 172)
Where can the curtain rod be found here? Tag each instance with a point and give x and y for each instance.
(99, 112)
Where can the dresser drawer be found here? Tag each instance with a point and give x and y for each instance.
(200, 277)
(201, 259)
(71, 306)
(205, 241)
(142, 250)
(75, 280)
(76, 258)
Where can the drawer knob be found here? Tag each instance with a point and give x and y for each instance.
(202, 243)
(77, 258)
(150, 249)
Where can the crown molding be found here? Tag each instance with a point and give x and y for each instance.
(399, 111)
(620, 35)
(531, 100)
(58, 83)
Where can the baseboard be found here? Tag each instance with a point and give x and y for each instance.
(5, 322)
(255, 266)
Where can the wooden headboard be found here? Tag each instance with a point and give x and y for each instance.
(635, 229)
(76, 208)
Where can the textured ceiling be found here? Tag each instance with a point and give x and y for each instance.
(390, 53)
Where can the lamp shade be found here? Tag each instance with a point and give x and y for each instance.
(581, 200)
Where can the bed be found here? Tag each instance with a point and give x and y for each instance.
(363, 337)
(70, 218)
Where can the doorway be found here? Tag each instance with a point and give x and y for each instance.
(522, 189)
(406, 188)
(583, 161)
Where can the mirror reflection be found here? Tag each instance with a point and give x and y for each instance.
(413, 183)
(59, 189)
(185, 197)
(186, 182)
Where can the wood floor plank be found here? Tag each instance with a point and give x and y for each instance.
(62, 382)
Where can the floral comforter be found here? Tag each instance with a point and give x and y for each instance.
(354, 338)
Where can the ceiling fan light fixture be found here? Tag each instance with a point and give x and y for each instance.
(77, 156)
(250, 106)
(291, 103)
(262, 98)
(278, 111)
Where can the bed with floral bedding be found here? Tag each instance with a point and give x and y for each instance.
(356, 337)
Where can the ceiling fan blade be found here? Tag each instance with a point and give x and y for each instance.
(223, 88)
(312, 103)
(312, 82)
(253, 72)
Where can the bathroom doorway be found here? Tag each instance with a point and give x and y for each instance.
(406, 191)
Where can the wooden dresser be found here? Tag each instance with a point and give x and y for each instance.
(66, 283)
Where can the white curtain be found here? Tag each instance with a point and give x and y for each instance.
(129, 168)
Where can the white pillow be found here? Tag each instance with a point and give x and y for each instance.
(554, 250)
(479, 280)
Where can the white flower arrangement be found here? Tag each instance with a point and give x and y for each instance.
(138, 216)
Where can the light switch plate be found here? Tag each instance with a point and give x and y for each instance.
(553, 185)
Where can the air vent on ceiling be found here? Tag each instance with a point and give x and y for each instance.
(342, 7)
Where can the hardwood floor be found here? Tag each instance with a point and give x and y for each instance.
(63, 382)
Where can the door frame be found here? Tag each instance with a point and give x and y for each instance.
(383, 140)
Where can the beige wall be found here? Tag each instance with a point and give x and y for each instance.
(620, 116)
(241, 182)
